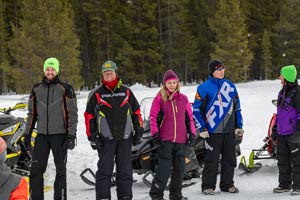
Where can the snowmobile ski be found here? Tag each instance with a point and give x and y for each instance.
(251, 167)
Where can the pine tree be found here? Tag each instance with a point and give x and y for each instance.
(81, 27)
(260, 15)
(267, 55)
(10, 14)
(176, 42)
(141, 36)
(196, 15)
(3, 48)
(231, 44)
(46, 30)
(287, 37)
(104, 25)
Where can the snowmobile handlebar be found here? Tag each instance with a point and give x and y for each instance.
(18, 106)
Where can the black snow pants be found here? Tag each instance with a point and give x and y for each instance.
(288, 156)
(119, 152)
(216, 144)
(170, 160)
(42, 147)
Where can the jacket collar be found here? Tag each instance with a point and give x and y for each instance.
(47, 82)
(216, 81)
(114, 86)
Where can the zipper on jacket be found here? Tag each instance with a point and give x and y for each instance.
(114, 132)
(47, 108)
(221, 104)
(174, 116)
(114, 116)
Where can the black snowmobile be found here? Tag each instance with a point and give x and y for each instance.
(145, 159)
(12, 131)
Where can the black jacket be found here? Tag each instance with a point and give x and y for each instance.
(113, 114)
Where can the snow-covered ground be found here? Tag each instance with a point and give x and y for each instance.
(257, 110)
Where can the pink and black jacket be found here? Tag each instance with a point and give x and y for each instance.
(177, 118)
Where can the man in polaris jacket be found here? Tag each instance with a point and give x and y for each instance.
(52, 104)
(112, 113)
(217, 115)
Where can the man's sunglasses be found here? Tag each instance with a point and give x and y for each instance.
(219, 68)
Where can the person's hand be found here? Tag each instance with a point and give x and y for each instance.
(136, 139)
(96, 142)
(69, 142)
(155, 136)
(239, 132)
(191, 140)
(156, 139)
(204, 134)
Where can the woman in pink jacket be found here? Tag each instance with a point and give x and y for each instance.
(172, 124)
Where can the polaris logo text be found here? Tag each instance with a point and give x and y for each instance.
(113, 95)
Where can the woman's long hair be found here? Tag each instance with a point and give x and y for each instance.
(165, 94)
(287, 86)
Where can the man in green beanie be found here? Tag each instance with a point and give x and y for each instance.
(52, 105)
(287, 131)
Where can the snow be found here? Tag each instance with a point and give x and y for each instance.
(257, 110)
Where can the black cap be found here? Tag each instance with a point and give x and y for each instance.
(213, 65)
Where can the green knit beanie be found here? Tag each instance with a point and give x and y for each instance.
(52, 62)
(289, 73)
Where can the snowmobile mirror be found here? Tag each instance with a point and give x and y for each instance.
(145, 106)
(274, 102)
(20, 106)
(87, 175)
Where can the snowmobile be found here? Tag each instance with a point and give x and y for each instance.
(267, 151)
(18, 157)
(145, 158)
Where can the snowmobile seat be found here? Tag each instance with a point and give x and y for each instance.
(7, 120)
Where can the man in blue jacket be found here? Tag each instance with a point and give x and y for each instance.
(217, 114)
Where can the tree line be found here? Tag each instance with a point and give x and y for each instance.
(254, 39)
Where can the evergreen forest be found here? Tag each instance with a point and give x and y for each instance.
(253, 38)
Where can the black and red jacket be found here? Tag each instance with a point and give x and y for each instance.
(113, 114)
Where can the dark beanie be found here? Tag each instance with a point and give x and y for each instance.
(170, 74)
(213, 65)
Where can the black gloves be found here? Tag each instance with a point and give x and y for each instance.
(27, 142)
(69, 142)
(156, 139)
(95, 142)
(155, 136)
(136, 139)
(274, 134)
(191, 140)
